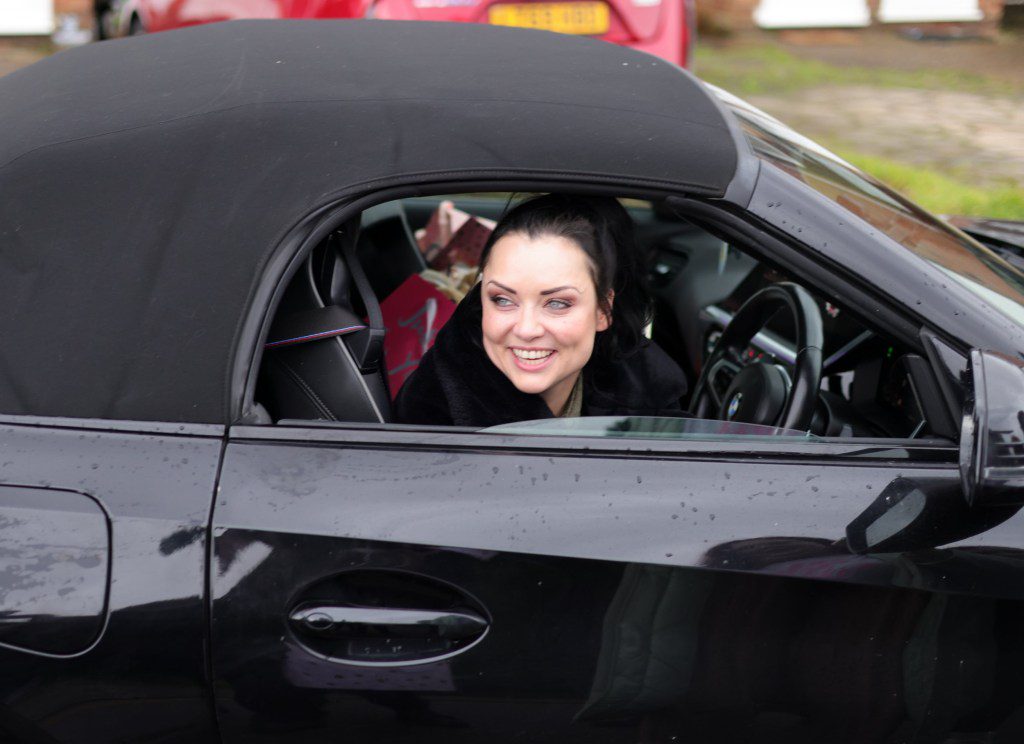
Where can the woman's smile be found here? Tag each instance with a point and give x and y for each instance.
(532, 359)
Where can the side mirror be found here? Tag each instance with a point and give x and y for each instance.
(919, 513)
(913, 513)
(992, 433)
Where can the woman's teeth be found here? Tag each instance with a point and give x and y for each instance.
(533, 356)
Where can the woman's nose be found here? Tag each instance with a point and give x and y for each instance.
(528, 325)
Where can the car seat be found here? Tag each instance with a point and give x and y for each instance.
(324, 358)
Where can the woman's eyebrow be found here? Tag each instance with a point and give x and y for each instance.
(502, 286)
(559, 289)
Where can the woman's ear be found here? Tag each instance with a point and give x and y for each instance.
(604, 312)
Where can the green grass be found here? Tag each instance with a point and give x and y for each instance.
(746, 69)
(938, 193)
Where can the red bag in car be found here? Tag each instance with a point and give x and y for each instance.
(413, 314)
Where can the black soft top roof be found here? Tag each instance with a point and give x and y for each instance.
(145, 182)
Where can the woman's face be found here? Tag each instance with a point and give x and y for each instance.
(540, 314)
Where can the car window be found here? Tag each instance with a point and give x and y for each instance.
(958, 255)
(419, 259)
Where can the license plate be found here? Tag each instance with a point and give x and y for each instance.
(587, 18)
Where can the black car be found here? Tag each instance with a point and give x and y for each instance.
(206, 534)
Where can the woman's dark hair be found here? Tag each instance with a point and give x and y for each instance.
(604, 230)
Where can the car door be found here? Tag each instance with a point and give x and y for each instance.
(395, 584)
(102, 582)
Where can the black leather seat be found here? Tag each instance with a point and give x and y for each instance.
(322, 360)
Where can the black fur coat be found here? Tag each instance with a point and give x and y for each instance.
(456, 383)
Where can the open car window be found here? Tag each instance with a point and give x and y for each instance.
(417, 259)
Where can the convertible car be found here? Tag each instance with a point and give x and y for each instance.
(211, 529)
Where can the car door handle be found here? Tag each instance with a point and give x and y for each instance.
(343, 620)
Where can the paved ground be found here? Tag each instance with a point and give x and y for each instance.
(979, 138)
(15, 54)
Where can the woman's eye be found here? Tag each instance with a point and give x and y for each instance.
(559, 305)
(501, 301)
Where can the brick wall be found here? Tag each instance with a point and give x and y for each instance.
(72, 6)
(727, 14)
(80, 8)
(993, 10)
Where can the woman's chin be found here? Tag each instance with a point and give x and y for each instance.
(531, 384)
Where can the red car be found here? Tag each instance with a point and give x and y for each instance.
(661, 27)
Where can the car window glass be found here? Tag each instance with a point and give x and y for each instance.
(649, 427)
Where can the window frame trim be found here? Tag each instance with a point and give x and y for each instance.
(926, 453)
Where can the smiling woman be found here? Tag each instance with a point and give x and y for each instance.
(554, 327)
(540, 336)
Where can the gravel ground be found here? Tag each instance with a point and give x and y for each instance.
(15, 53)
(976, 138)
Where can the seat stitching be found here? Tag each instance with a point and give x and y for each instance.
(305, 387)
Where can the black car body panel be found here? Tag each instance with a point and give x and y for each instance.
(137, 673)
(717, 622)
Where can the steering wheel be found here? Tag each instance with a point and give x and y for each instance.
(763, 393)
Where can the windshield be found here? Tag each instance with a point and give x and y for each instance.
(960, 257)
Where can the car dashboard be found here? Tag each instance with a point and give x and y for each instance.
(871, 385)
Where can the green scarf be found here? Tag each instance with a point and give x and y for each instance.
(574, 406)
